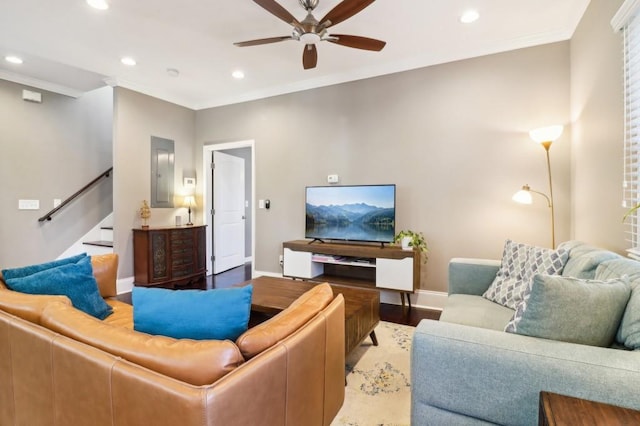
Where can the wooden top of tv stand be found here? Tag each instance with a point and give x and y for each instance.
(352, 249)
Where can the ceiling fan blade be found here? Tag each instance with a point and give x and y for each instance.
(275, 9)
(262, 41)
(344, 10)
(309, 56)
(358, 42)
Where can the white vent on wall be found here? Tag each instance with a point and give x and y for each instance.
(30, 96)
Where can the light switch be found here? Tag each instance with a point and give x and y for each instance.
(261, 204)
(28, 204)
(56, 202)
(333, 178)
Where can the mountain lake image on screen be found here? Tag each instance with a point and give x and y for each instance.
(351, 213)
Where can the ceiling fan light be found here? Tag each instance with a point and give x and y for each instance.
(13, 59)
(469, 16)
(128, 61)
(310, 38)
(98, 4)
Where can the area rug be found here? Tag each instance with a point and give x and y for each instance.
(378, 388)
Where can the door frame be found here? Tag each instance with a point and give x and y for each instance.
(207, 198)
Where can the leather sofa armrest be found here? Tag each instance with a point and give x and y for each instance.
(27, 306)
(471, 276)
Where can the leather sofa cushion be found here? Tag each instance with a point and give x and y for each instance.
(195, 362)
(105, 270)
(268, 333)
(27, 306)
(122, 315)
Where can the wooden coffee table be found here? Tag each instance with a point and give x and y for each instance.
(362, 306)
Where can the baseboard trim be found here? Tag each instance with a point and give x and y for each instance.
(425, 299)
(124, 285)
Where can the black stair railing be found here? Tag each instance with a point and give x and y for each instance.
(85, 188)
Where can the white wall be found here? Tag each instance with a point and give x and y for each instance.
(597, 113)
(453, 137)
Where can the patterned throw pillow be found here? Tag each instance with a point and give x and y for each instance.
(520, 262)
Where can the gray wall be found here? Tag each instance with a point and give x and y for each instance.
(597, 110)
(51, 150)
(137, 117)
(453, 137)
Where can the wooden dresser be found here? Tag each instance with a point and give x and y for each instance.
(171, 257)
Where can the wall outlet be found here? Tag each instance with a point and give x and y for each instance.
(281, 260)
(28, 204)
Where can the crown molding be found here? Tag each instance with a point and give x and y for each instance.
(40, 84)
(624, 14)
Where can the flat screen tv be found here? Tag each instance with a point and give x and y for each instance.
(351, 213)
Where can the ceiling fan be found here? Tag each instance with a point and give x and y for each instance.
(311, 31)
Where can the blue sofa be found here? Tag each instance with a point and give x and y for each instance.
(467, 371)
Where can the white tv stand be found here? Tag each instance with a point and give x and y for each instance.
(354, 265)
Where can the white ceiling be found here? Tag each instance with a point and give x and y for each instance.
(69, 47)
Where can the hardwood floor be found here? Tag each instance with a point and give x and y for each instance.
(388, 312)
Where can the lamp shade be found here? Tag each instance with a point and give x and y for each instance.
(546, 134)
(190, 201)
(523, 197)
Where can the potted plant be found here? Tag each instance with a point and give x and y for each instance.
(410, 240)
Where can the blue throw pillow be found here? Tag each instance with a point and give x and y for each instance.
(74, 280)
(192, 314)
(32, 269)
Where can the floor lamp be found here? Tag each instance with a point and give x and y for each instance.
(545, 136)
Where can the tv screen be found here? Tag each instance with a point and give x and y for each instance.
(351, 213)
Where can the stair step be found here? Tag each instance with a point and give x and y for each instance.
(99, 243)
(107, 227)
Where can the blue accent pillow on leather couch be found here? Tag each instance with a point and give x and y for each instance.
(192, 314)
(32, 269)
(74, 280)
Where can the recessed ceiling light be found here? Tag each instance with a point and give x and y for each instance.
(128, 61)
(13, 59)
(98, 4)
(172, 72)
(469, 16)
(238, 74)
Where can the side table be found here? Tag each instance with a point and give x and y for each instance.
(562, 410)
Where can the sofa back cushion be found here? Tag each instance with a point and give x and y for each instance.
(195, 362)
(105, 271)
(629, 330)
(584, 259)
(268, 333)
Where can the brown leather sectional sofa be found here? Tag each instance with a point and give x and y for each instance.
(59, 366)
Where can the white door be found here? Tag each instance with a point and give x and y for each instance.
(228, 212)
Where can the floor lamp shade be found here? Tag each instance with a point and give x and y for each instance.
(544, 136)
